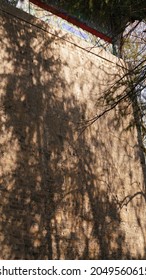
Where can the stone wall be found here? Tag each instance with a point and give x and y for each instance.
(66, 192)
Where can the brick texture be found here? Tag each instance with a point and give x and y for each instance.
(65, 194)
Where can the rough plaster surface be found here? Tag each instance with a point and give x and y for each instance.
(64, 194)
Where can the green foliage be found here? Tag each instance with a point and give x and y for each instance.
(108, 16)
(114, 14)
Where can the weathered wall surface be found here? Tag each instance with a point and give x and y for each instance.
(64, 195)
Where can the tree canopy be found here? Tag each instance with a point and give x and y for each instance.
(113, 13)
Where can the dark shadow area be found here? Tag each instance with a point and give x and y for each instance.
(59, 197)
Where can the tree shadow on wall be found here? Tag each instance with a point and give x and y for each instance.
(55, 203)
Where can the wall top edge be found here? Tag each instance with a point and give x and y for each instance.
(100, 53)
